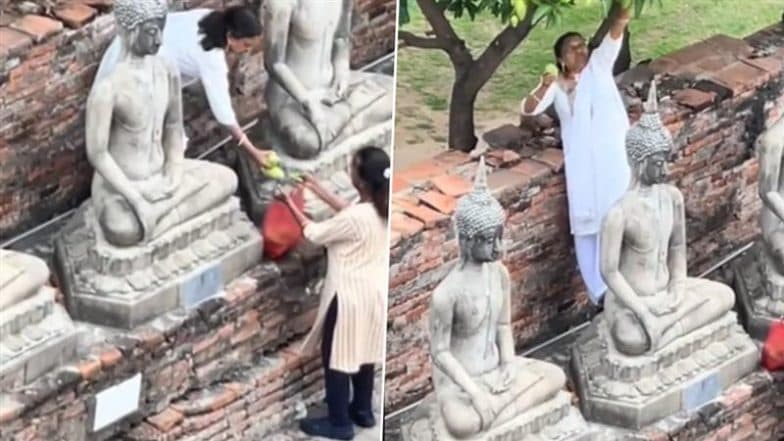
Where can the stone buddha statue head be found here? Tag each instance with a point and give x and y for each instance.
(479, 221)
(140, 25)
(648, 145)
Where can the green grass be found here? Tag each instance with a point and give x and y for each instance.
(428, 73)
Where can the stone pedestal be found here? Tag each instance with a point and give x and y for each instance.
(36, 335)
(633, 392)
(760, 290)
(125, 287)
(553, 420)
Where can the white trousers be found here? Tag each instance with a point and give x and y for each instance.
(587, 250)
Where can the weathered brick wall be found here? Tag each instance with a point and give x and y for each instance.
(46, 71)
(714, 166)
(229, 367)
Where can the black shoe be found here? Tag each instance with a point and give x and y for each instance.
(362, 418)
(324, 428)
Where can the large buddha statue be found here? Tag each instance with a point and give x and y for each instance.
(159, 231)
(36, 334)
(143, 185)
(759, 275)
(315, 100)
(666, 342)
(650, 299)
(480, 384)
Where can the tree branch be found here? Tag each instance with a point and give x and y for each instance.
(497, 51)
(410, 39)
(454, 45)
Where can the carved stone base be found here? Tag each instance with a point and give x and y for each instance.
(125, 287)
(554, 420)
(633, 392)
(35, 335)
(760, 290)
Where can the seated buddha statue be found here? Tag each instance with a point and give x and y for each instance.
(143, 185)
(770, 151)
(650, 299)
(315, 99)
(480, 383)
(21, 276)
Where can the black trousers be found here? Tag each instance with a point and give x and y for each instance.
(338, 384)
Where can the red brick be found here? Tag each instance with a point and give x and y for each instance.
(37, 26)
(399, 183)
(453, 158)
(165, 420)
(501, 157)
(441, 202)
(110, 357)
(451, 185)
(422, 171)
(694, 99)
(506, 179)
(422, 213)
(740, 77)
(534, 170)
(12, 42)
(75, 15)
(405, 225)
(554, 158)
(770, 64)
(394, 238)
(90, 369)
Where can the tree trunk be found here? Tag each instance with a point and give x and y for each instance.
(461, 116)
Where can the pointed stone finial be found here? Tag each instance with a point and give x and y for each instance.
(480, 181)
(652, 105)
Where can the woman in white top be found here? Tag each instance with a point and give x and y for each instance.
(351, 319)
(196, 41)
(594, 123)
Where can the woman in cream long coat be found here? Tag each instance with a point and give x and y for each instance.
(351, 320)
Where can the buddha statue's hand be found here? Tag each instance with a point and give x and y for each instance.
(156, 193)
(340, 85)
(653, 327)
(314, 111)
(504, 380)
(483, 403)
(662, 309)
(147, 215)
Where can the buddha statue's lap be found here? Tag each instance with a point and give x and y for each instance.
(21, 277)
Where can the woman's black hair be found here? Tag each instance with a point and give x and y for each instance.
(236, 21)
(372, 165)
(559, 47)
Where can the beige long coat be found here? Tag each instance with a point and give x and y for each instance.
(357, 266)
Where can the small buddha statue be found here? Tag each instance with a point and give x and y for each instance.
(21, 276)
(314, 97)
(143, 185)
(650, 300)
(480, 383)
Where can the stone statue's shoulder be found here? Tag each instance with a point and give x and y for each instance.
(278, 5)
(674, 192)
(103, 89)
(444, 292)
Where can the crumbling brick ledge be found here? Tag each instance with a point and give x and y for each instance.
(228, 369)
(715, 97)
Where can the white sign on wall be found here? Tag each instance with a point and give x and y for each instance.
(117, 402)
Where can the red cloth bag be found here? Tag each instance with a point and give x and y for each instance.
(280, 228)
(773, 349)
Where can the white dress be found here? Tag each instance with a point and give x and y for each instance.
(182, 45)
(593, 123)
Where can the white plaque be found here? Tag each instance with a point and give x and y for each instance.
(117, 402)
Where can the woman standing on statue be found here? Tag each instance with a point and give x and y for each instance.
(197, 41)
(593, 124)
(351, 320)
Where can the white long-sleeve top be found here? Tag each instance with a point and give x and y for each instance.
(593, 123)
(182, 45)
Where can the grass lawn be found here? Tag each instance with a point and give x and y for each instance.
(424, 77)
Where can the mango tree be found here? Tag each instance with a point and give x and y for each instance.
(473, 72)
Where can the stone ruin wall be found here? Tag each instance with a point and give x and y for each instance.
(227, 370)
(714, 166)
(47, 65)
